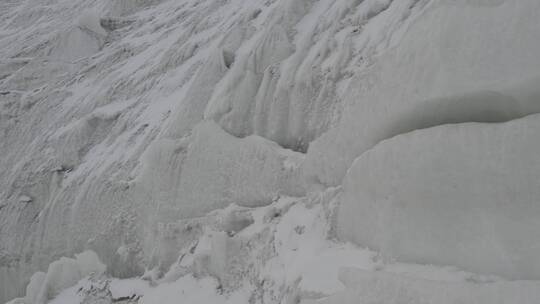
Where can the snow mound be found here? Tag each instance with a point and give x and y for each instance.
(464, 195)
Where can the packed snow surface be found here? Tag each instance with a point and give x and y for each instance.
(226, 151)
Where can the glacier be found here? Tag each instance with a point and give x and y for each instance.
(269, 151)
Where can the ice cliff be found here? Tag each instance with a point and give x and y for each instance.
(269, 151)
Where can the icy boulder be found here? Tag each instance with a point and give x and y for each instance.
(453, 64)
(464, 195)
(380, 287)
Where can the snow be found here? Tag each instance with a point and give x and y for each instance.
(285, 89)
(60, 276)
(248, 172)
(190, 290)
(127, 288)
(286, 254)
(452, 64)
(469, 201)
(199, 148)
(78, 42)
(34, 287)
(90, 20)
(25, 199)
(381, 287)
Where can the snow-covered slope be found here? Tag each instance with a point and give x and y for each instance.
(202, 144)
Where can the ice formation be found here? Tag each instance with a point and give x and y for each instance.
(227, 151)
